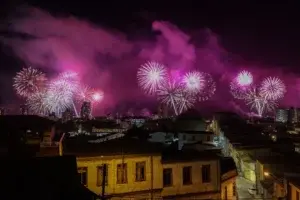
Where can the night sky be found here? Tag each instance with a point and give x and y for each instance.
(262, 33)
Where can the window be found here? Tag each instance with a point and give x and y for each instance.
(102, 170)
(140, 171)
(225, 193)
(167, 177)
(234, 189)
(121, 173)
(205, 173)
(82, 171)
(187, 175)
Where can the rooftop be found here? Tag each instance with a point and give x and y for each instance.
(119, 146)
(187, 155)
(54, 178)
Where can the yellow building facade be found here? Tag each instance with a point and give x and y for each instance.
(158, 179)
(129, 185)
(294, 191)
(228, 185)
(196, 187)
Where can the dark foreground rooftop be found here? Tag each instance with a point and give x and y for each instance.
(51, 178)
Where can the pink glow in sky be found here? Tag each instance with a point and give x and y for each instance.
(108, 59)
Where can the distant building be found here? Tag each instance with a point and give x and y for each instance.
(24, 110)
(86, 110)
(282, 115)
(292, 116)
(2, 111)
(67, 115)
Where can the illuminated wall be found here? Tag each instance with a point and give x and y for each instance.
(152, 180)
(196, 186)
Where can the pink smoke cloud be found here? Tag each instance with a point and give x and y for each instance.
(107, 59)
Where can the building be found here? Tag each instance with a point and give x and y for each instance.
(24, 110)
(86, 110)
(136, 169)
(67, 115)
(292, 115)
(2, 111)
(228, 179)
(293, 188)
(282, 115)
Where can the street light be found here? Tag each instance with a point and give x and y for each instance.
(266, 174)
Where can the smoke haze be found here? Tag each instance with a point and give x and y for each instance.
(106, 59)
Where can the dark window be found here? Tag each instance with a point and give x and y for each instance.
(225, 193)
(205, 173)
(167, 177)
(82, 171)
(140, 171)
(122, 173)
(101, 170)
(187, 175)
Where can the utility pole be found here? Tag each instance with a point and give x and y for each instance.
(104, 170)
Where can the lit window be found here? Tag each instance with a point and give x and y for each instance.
(121, 173)
(102, 170)
(140, 169)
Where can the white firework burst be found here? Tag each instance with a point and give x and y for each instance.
(150, 76)
(272, 88)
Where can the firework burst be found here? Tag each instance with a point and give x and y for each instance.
(29, 81)
(272, 88)
(193, 82)
(259, 103)
(150, 76)
(186, 101)
(169, 93)
(241, 84)
(208, 89)
(37, 103)
(84, 93)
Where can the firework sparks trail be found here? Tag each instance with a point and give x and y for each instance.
(185, 101)
(29, 81)
(150, 76)
(259, 103)
(84, 93)
(272, 88)
(169, 93)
